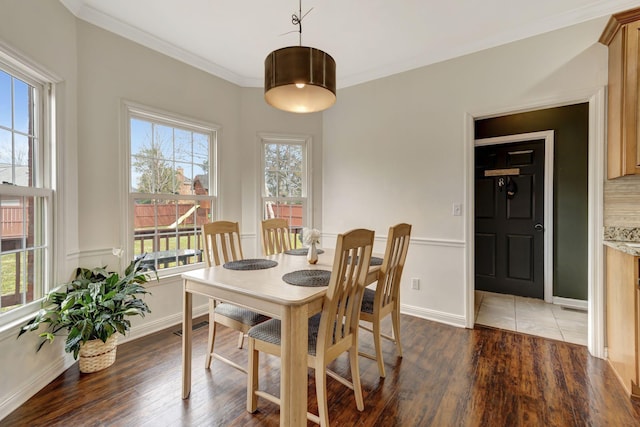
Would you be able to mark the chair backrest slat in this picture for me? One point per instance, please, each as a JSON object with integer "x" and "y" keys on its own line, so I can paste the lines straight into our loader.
{"x": 388, "y": 288}
{"x": 341, "y": 307}
{"x": 221, "y": 241}
{"x": 275, "y": 236}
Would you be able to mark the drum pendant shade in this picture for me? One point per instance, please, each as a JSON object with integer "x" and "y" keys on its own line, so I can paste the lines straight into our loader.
{"x": 300, "y": 79}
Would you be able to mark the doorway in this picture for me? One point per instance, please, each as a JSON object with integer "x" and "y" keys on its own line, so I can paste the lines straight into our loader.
{"x": 575, "y": 270}
{"x": 509, "y": 216}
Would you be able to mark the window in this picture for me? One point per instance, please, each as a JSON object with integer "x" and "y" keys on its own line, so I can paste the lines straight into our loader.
{"x": 172, "y": 189}
{"x": 26, "y": 187}
{"x": 285, "y": 183}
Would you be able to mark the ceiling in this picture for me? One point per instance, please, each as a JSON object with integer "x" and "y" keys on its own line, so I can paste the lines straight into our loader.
{"x": 368, "y": 39}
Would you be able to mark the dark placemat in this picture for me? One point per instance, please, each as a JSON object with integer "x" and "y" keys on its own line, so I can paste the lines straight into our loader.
{"x": 302, "y": 251}
{"x": 374, "y": 260}
{"x": 250, "y": 264}
{"x": 308, "y": 277}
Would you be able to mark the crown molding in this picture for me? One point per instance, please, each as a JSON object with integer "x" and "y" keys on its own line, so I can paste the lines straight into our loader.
{"x": 87, "y": 13}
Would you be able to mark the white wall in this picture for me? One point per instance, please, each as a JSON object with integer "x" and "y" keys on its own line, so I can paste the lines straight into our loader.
{"x": 389, "y": 151}
{"x": 99, "y": 71}
{"x": 45, "y": 33}
{"x": 394, "y": 149}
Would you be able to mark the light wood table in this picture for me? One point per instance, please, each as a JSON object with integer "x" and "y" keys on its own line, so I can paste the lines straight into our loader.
{"x": 265, "y": 291}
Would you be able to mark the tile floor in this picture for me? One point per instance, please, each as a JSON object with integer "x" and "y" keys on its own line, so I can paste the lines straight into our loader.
{"x": 531, "y": 316}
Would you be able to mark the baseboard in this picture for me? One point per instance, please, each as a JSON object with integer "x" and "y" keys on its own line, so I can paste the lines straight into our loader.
{"x": 160, "y": 324}
{"x": 55, "y": 368}
{"x": 436, "y": 316}
{"x": 575, "y": 304}
{"x": 37, "y": 383}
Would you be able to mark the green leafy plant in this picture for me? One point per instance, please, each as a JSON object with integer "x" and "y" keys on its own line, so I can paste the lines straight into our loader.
{"x": 94, "y": 305}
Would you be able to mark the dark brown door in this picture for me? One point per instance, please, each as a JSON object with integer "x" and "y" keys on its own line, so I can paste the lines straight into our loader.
{"x": 509, "y": 214}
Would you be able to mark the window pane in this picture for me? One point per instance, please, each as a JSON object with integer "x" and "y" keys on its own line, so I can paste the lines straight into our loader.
{"x": 292, "y": 211}
{"x": 201, "y": 146}
{"x": 21, "y": 263}
{"x": 169, "y": 163}
{"x": 5, "y": 100}
{"x": 183, "y": 145}
{"x": 163, "y": 141}
{"x": 140, "y": 136}
{"x": 270, "y": 157}
{"x": 22, "y": 107}
{"x": 167, "y": 234}
{"x": 201, "y": 180}
{"x": 6, "y": 156}
{"x": 152, "y": 175}
{"x": 184, "y": 178}
{"x": 271, "y": 184}
{"x": 21, "y": 160}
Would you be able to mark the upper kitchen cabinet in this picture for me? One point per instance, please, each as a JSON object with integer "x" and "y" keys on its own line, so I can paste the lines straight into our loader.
{"x": 622, "y": 35}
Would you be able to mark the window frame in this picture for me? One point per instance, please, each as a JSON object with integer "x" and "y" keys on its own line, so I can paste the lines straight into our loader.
{"x": 138, "y": 111}
{"x": 45, "y": 163}
{"x": 305, "y": 141}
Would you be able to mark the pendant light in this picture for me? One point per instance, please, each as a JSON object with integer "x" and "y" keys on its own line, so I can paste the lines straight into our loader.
{"x": 300, "y": 79}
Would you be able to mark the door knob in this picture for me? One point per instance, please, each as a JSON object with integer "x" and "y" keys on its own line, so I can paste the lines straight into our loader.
{"x": 538, "y": 227}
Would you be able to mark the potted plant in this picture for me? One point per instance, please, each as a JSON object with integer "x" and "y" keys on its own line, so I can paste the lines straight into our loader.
{"x": 90, "y": 310}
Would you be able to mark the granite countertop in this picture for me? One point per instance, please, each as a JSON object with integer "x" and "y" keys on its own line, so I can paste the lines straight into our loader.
{"x": 625, "y": 239}
{"x": 631, "y": 248}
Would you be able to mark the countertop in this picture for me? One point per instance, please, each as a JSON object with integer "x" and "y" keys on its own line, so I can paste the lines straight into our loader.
{"x": 631, "y": 248}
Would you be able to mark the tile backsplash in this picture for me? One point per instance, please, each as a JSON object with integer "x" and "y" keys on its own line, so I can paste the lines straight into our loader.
{"x": 622, "y": 202}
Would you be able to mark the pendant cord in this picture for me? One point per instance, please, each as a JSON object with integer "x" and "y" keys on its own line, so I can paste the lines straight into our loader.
{"x": 297, "y": 20}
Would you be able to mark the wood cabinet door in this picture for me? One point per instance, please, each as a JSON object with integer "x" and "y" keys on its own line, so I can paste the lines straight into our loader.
{"x": 631, "y": 123}
{"x": 622, "y": 317}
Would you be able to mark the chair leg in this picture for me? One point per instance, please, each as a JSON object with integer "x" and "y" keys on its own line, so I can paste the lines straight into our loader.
{"x": 241, "y": 340}
{"x": 395, "y": 318}
{"x": 321, "y": 392}
{"x": 252, "y": 377}
{"x": 355, "y": 378}
{"x": 212, "y": 334}
{"x": 377, "y": 340}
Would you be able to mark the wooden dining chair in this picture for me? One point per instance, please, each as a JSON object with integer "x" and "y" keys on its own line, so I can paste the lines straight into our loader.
{"x": 385, "y": 299}
{"x": 275, "y": 236}
{"x": 221, "y": 241}
{"x": 331, "y": 332}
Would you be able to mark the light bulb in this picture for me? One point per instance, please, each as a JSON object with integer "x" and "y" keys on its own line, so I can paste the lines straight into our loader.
{"x": 300, "y": 85}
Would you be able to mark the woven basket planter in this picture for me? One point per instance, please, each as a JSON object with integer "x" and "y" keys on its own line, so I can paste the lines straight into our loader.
{"x": 96, "y": 355}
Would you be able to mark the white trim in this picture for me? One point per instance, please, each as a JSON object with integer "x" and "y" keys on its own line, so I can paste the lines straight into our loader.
{"x": 34, "y": 384}
{"x": 45, "y": 167}
{"x": 84, "y": 11}
{"x": 577, "y": 304}
{"x": 56, "y": 367}
{"x": 160, "y": 324}
{"x": 548, "y": 195}
{"x": 26, "y": 65}
{"x": 102, "y": 20}
{"x": 129, "y": 109}
{"x": 434, "y": 315}
{"x": 417, "y": 241}
{"x": 597, "y": 162}
{"x": 597, "y": 115}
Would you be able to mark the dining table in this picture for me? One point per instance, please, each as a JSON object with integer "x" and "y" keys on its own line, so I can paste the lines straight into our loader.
{"x": 264, "y": 290}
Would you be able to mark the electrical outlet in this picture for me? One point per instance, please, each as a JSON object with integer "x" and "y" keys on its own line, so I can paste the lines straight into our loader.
{"x": 415, "y": 283}
{"x": 457, "y": 209}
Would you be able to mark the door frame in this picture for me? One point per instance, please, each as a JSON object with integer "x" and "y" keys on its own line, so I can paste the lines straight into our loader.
{"x": 548, "y": 137}
{"x": 596, "y": 98}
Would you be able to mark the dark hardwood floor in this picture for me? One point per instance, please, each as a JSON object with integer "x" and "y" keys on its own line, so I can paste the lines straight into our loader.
{"x": 448, "y": 377}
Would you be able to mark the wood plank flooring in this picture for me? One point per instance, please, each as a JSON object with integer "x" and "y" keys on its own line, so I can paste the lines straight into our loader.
{"x": 448, "y": 377}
